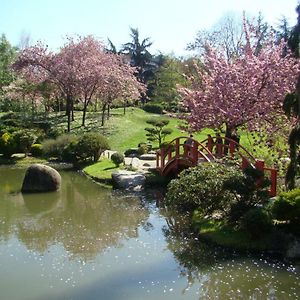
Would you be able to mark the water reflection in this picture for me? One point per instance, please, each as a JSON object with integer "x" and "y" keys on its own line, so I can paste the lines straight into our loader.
{"x": 221, "y": 273}
{"x": 83, "y": 217}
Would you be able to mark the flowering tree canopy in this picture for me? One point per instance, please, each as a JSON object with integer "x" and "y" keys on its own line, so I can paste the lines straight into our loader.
{"x": 248, "y": 89}
{"x": 80, "y": 70}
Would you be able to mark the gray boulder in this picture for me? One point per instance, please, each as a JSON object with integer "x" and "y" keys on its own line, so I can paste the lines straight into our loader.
{"x": 41, "y": 178}
{"x": 293, "y": 250}
{"x": 128, "y": 180}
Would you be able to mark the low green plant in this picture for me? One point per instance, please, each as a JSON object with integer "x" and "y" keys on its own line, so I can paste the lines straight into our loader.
{"x": 36, "y": 150}
{"x": 202, "y": 188}
{"x": 58, "y": 147}
{"x": 256, "y": 222}
{"x": 286, "y": 207}
{"x": 90, "y": 146}
{"x": 131, "y": 152}
{"x": 24, "y": 139}
{"x": 153, "y": 108}
{"x": 8, "y": 145}
{"x": 247, "y": 193}
{"x": 117, "y": 158}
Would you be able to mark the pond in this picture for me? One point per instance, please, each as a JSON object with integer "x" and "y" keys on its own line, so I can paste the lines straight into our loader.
{"x": 87, "y": 242}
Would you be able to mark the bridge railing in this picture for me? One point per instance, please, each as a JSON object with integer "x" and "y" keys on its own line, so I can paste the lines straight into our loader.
{"x": 180, "y": 149}
{"x": 223, "y": 146}
{"x": 208, "y": 150}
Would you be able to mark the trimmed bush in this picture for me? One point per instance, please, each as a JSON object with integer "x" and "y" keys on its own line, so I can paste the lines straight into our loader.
{"x": 90, "y": 146}
{"x": 143, "y": 148}
{"x": 286, "y": 207}
{"x": 202, "y": 188}
{"x": 24, "y": 138}
{"x": 7, "y": 145}
{"x": 132, "y": 152}
{"x": 153, "y": 108}
{"x": 256, "y": 222}
{"x": 36, "y": 150}
{"x": 60, "y": 147}
{"x": 117, "y": 158}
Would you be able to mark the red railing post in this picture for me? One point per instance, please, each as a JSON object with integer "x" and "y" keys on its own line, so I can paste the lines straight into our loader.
{"x": 177, "y": 145}
{"x": 273, "y": 189}
{"x": 245, "y": 163}
{"x": 231, "y": 148}
{"x": 260, "y": 165}
{"x": 169, "y": 154}
{"x": 210, "y": 143}
{"x": 162, "y": 158}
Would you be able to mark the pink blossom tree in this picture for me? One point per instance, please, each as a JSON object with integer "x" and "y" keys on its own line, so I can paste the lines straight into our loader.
{"x": 246, "y": 90}
{"x": 80, "y": 70}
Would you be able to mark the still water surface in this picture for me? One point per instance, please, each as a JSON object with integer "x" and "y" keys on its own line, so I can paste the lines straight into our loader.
{"x": 87, "y": 242}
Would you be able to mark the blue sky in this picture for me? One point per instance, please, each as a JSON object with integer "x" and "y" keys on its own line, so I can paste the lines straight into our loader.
{"x": 170, "y": 24}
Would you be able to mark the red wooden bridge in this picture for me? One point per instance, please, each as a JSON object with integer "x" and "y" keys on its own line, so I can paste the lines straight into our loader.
{"x": 184, "y": 152}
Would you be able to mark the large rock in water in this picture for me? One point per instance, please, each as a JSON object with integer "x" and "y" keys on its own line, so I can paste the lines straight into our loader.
{"x": 128, "y": 180}
{"x": 41, "y": 178}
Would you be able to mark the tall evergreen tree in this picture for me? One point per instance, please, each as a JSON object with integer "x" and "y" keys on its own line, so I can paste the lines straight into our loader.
{"x": 139, "y": 55}
{"x": 291, "y": 107}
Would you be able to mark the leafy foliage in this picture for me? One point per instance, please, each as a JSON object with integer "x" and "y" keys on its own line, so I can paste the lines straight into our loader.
{"x": 36, "y": 150}
{"x": 7, "y": 145}
{"x": 117, "y": 158}
{"x": 286, "y": 207}
{"x": 90, "y": 146}
{"x": 153, "y": 108}
{"x": 256, "y": 222}
{"x": 157, "y": 132}
{"x": 201, "y": 188}
{"x": 59, "y": 147}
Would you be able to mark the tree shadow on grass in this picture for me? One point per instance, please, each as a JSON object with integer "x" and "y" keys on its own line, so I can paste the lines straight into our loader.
{"x": 110, "y": 168}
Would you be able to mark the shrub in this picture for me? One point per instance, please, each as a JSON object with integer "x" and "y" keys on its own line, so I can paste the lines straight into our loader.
{"x": 91, "y": 145}
{"x": 117, "y": 158}
{"x": 59, "y": 147}
{"x": 202, "y": 188}
{"x": 7, "y": 145}
{"x": 143, "y": 148}
{"x": 24, "y": 138}
{"x": 256, "y": 222}
{"x": 132, "y": 152}
{"x": 153, "y": 108}
{"x": 286, "y": 207}
{"x": 167, "y": 146}
{"x": 36, "y": 150}
{"x": 247, "y": 194}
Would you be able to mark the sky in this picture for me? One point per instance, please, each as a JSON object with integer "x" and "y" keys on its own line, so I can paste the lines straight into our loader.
{"x": 170, "y": 24}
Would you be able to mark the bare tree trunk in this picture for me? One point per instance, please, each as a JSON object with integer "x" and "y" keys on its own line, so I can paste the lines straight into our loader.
{"x": 108, "y": 111}
{"x": 68, "y": 111}
{"x": 72, "y": 109}
{"x": 103, "y": 113}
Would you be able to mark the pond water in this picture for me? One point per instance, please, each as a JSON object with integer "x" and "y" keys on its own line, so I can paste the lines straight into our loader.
{"x": 87, "y": 242}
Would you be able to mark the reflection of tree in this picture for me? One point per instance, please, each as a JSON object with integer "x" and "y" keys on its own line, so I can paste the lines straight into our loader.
{"x": 221, "y": 273}
{"x": 83, "y": 217}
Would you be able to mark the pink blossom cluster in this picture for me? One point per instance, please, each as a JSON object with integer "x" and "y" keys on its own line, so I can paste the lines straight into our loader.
{"x": 81, "y": 70}
{"x": 247, "y": 90}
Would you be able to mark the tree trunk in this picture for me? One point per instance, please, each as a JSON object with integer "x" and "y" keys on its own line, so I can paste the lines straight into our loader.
{"x": 124, "y": 107}
{"x": 228, "y": 135}
{"x": 83, "y": 115}
{"x": 96, "y": 104}
{"x": 103, "y": 114}
{"x": 108, "y": 111}
{"x": 68, "y": 111}
{"x": 72, "y": 110}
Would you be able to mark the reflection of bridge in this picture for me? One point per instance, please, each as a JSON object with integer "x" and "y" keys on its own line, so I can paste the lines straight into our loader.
{"x": 184, "y": 152}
